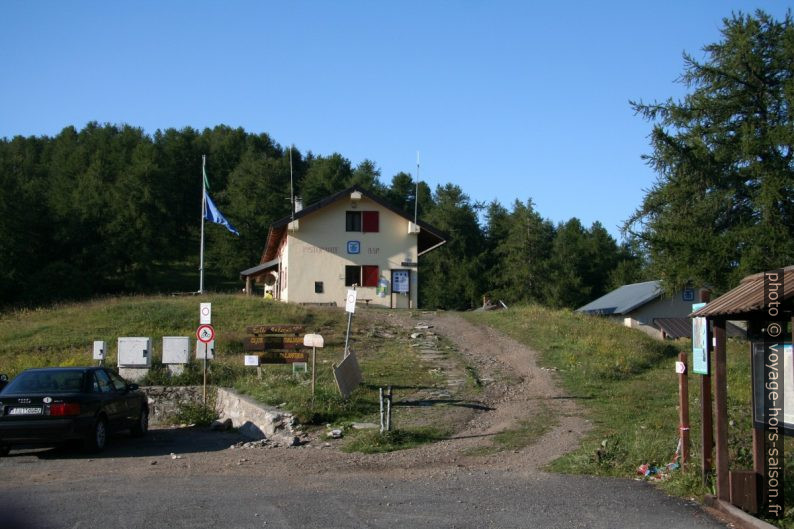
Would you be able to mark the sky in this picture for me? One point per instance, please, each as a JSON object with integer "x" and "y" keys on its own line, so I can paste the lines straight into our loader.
{"x": 510, "y": 100}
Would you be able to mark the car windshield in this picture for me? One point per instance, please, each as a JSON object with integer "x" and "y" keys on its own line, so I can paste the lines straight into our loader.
{"x": 46, "y": 382}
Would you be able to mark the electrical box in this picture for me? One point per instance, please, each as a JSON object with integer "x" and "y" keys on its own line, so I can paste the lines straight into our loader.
{"x": 203, "y": 349}
{"x": 135, "y": 352}
{"x": 176, "y": 349}
{"x": 100, "y": 350}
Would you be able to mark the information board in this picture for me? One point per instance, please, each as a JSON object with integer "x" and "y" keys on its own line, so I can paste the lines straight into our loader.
{"x": 700, "y": 342}
{"x": 401, "y": 281}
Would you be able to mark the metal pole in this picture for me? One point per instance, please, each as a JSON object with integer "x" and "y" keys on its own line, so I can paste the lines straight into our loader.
{"x": 206, "y": 347}
{"x": 291, "y": 189}
{"x": 388, "y": 410}
{"x": 416, "y": 193}
{"x": 314, "y": 369}
{"x": 380, "y": 399}
{"x": 706, "y": 415}
{"x": 347, "y": 336}
{"x": 203, "y": 210}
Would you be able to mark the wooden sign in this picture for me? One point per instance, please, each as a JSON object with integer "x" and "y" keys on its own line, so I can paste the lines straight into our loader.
{"x": 283, "y": 357}
{"x": 267, "y": 343}
{"x": 274, "y": 329}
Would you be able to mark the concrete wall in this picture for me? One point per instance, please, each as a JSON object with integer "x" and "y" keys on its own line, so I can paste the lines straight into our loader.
{"x": 318, "y": 251}
{"x": 253, "y": 419}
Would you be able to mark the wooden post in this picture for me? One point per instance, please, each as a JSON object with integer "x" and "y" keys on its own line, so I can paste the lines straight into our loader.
{"x": 706, "y": 414}
{"x": 721, "y": 397}
{"x": 382, "y": 422}
{"x": 248, "y": 285}
{"x": 683, "y": 409}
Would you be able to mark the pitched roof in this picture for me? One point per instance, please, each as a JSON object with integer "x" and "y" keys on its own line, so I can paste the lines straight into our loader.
{"x": 624, "y": 299}
{"x": 429, "y": 236}
{"x": 748, "y": 297}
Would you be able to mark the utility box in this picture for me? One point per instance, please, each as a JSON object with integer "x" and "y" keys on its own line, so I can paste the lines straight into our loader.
{"x": 100, "y": 349}
{"x": 135, "y": 352}
{"x": 176, "y": 349}
{"x": 205, "y": 350}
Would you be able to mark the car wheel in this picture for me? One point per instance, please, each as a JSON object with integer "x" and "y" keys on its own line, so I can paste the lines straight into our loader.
{"x": 96, "y": 441}
{"x": 4, "y": 450}
{"x": 140, "y": 428}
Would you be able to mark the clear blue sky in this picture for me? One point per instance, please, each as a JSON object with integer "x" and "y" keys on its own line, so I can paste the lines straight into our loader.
{"x": 509, "y": 100}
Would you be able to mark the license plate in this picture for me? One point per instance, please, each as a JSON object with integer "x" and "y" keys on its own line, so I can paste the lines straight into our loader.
{"x": 24, "y": 411}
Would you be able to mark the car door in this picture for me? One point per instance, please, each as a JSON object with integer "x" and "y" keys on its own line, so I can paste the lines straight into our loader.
{"x": 112, "y": 403}
{"x": 132, "y": 404}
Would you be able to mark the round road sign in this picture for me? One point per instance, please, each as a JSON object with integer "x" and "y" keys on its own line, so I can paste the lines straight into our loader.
{"x": 205, "y": 333}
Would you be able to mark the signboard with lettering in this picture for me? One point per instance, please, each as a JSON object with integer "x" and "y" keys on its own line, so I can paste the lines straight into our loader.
{"x": 401, "y": 281}
{"x": 274, "y": 329}
{"x": 276, "y": 344}
{"x": 266, "y": 342}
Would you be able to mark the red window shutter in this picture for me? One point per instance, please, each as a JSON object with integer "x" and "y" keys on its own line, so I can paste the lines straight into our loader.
{"x": 369, "y": 276}
{"x": 371, "y": 221}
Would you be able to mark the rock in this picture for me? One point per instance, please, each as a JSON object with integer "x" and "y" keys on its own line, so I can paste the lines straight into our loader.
{"x": 296, "y": 441}
{"x": 335, "y": 434}
{"x": 220, "y": 426}
{"x": 152, "y": 462}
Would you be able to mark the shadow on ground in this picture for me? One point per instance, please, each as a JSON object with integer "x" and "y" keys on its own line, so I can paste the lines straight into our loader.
{"x": 158, "y": 442}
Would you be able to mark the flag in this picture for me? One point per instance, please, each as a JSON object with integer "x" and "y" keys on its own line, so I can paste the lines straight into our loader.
{"x": 213, "y": 214}
{"x": 206, "y": 180}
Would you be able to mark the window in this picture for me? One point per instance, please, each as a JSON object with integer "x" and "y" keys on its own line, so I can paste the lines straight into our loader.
{"x": 102, "y": 382}
{"x": 353, "y": 221}
{"x": 117, "y": 381}
{"x": 364, "y": 221}
{"x": 318, "y": 287}
{"x": 363, "y": 276}
{"x": 352, "y": 275}
{"x": 369, "y": 276}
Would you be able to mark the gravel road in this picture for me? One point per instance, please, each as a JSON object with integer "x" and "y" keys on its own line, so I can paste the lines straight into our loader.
{"x": 189, "y": 477}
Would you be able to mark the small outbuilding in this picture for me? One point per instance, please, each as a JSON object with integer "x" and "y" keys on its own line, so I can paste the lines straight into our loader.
{"x": 644, "y": 306}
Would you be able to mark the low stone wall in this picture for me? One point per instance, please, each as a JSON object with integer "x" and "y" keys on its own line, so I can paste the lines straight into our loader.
{"x": 253, "y": 419}
{"x": 165, "y": 401}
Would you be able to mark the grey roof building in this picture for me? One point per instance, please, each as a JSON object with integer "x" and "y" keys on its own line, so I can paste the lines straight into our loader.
{"x": 644, "y": 306}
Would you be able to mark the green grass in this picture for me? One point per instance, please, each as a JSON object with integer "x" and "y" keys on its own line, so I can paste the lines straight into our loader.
{"x": 64, "y": 335}
{"x": 372, "y": 441}
{"x": 626, "y": 383}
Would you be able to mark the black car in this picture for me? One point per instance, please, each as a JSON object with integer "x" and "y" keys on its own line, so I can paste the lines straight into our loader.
{"x": 53, "y": 405}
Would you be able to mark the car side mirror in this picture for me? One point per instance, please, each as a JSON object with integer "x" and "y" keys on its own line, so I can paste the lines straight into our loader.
{"x": 132, "y": 387}
{"x": 3, "y": 377}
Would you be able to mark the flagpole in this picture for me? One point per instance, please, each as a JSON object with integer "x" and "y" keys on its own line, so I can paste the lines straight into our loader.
{"x": 203, "y": 209}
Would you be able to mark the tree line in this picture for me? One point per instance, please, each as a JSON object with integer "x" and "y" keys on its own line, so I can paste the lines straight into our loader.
{"x": 109, "y": 209}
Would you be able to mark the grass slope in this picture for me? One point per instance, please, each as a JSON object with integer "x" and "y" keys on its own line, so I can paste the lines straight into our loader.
{"x": 627, "y": 384}
{"x": 63, "y": 335}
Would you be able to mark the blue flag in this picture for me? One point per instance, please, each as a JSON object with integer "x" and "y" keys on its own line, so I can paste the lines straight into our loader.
{"x": 213, "y": 214}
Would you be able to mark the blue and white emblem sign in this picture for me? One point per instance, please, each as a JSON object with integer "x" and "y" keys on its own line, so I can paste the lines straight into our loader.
{"x": 353, "y": 247}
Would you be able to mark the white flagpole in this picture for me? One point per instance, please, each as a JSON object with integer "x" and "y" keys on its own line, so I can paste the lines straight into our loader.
{"x": 203, "y": 209}
{"x": 416, "y": 194}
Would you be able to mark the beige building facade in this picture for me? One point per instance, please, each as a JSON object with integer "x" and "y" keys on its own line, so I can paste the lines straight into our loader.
{"x": 350, "y": 238}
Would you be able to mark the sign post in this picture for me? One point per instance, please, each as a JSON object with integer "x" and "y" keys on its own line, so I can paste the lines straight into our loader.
{"x": 205, "y": 334}
{"x": 350, "y": 308}
{"x": 701, "y": 352}
{"x": 314, "y": 341}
